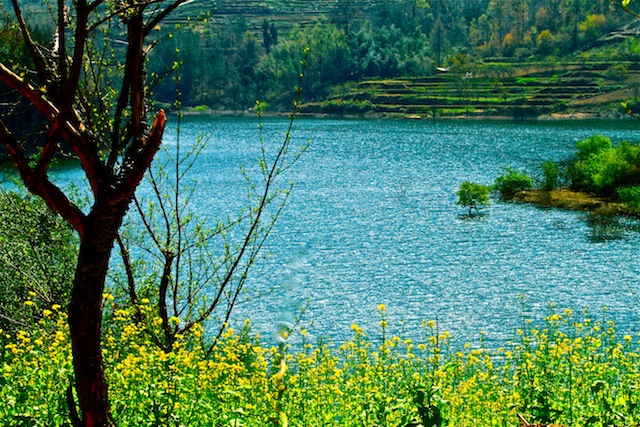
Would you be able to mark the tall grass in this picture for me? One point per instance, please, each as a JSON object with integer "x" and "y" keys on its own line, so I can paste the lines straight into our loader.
{"x": 573, "y": 370}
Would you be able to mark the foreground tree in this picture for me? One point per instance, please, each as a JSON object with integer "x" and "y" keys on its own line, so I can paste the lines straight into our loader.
{"x": 72, "y": 88}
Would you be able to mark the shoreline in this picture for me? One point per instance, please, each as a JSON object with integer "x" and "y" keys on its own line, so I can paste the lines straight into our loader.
{"x": 574, "y": 201}
{"x": 577, "y": 116}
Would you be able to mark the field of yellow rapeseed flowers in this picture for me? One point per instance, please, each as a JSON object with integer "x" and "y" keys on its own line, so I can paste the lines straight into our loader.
{"x": 569, "y": 370}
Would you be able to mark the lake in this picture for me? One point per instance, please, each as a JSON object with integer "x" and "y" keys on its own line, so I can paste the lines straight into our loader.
{"x": 372, "y": 220}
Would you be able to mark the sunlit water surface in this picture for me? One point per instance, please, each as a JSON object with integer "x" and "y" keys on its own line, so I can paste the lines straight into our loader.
{"x": 372, "y": 220}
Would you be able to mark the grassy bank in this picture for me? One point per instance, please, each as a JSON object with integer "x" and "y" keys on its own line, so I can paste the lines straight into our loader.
{"x": 574, "y": 200}
{"x": 572, "y": 370}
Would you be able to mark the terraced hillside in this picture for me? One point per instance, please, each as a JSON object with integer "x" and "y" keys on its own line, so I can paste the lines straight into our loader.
{"x": 284, "y": 13}
{"x": 529, "y": 90}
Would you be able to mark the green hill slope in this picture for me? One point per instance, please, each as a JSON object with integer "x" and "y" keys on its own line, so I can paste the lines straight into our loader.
{"x": 518, "y": 90}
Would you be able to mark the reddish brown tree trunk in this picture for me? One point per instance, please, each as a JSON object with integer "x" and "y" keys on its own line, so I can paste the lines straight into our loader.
{"x": 85, "y": 315}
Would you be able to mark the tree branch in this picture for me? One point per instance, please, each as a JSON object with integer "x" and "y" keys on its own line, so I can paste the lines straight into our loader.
{"x": 38, "y": 59}
{"x": 160, "y": 16}
{"x": 40, "y": 185}
{"x": 131, "y": 281}
{"x": 48, "y": 110}
{"x": 81, "y": 37}
{"x": 138, "y": 158}
{"x": 62, "y": 45}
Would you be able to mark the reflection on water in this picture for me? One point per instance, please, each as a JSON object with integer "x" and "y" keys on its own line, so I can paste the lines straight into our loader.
{"x": 604, "y": 227}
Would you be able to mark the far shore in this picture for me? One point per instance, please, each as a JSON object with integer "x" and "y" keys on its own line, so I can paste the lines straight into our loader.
{"x": 399, "y": 115}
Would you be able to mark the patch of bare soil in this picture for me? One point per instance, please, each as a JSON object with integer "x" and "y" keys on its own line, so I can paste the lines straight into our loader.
{"x": 573, "y": 200}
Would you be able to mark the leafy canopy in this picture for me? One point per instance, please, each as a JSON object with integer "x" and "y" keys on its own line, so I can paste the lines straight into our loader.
{"x": 473, "y": 196}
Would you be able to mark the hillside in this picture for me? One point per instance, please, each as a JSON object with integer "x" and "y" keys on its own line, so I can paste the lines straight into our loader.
{"x": 503, "y": 57}
{"x": 284, "y": 13}
{"x": 518, "y": 90}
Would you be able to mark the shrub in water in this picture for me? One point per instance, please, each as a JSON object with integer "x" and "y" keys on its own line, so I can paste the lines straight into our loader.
{"x": 473, "y": 196}
{"x": 511, "y": 181}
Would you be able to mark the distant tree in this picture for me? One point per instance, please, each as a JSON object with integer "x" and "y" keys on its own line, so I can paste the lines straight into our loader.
{"x": 267, "y": 39}
{"x": 593, "y": 26}
{"x": 274, "y": 33}
{"x": 545, "y": 42}
{"x": 577, "y": 9}
{"x": 473, "y": 196}
{"x": 343, "y": 15}
{"x": 438, "y": 39}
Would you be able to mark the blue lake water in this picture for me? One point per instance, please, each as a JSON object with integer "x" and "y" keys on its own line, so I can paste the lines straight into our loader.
{"x": 372, "y": 219}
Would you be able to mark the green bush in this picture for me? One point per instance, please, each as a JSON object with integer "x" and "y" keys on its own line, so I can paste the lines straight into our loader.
{"x": 616, "y": 72}
{"x": 37, "y": 258}
{"x": 473, "y": 196}
{"x": 511, "y": 181}
{"x": 630, "y": 196}
{"x": 550, "y": 173}
{"x": 601, "y": 168}
{"x": 592, "y": 145}
{"x": 608, "y": 170}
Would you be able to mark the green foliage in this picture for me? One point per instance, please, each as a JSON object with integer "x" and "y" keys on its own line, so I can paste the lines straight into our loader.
{"x": 473, "y": 196}
{"x": 527, "y": 80}
{"x": 512, "y": 181}
{"x": 607, "y": 169}
{"x": 592, "y": 145}
{"x": 630, "y": 196}
{"x": 232, "y": 64}
{"x": 340, "y": 106}
{"x": 616, "y": 72}
{"x": 550, "y": 173}
{"x": 201, "y": 108}
{"x": 601, "y": 168}
{"x": 593, "y": 26}
{"x": 545, "y": 42}
{"x": 37, "y": 258}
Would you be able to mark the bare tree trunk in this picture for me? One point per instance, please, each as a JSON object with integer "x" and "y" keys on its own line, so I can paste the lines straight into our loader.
{"x": 85, "y": 318}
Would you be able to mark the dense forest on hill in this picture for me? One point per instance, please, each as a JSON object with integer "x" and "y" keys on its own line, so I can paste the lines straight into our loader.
{"x": 230, "y": 53}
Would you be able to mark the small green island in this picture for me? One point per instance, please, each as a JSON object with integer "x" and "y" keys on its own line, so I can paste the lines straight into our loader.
{"x": 598, "y": 178}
